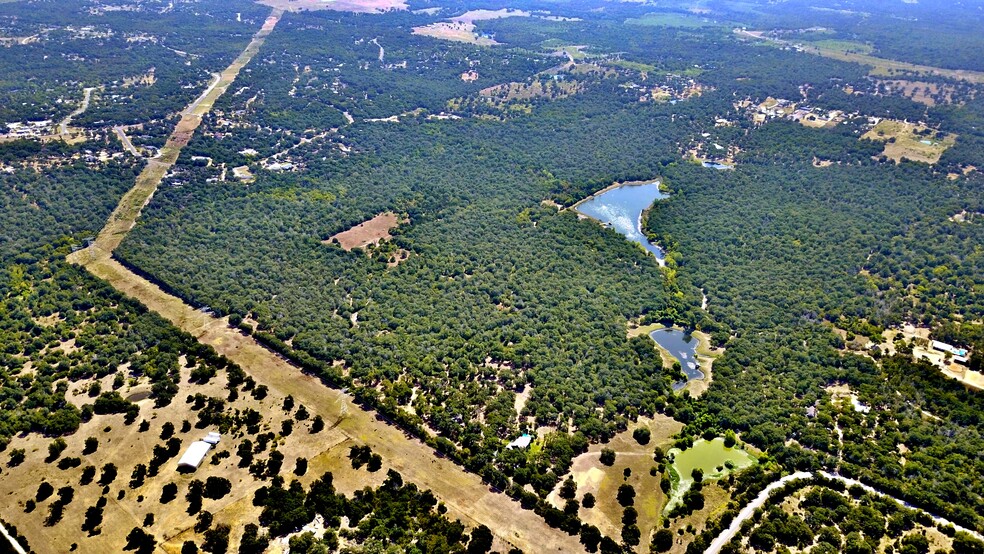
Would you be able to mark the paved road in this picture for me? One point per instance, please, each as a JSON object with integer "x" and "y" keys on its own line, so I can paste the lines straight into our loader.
{"x": 13, "y": 544}
{"x": 126, "y": 141}
{"x": 748, "y": 510}
{"x": 63, "y": 126}
{"x": 763, "y": 496}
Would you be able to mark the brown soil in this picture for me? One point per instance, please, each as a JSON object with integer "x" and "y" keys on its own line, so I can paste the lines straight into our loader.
{"x": 603, "y": 481}
{"x": 357, "y": 6}
{"x": 368, "y": 232}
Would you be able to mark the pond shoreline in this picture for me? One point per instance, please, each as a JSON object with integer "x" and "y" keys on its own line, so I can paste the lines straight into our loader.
{"x": 705, "y": 354}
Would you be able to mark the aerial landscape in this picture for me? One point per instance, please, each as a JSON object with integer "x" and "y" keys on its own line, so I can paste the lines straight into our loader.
{"x": 471, "y": 276}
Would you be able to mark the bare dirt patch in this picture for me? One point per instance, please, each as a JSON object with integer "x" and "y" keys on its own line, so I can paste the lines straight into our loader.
{"x": 462, "y": 27}
{"x": 923, "y": 92}
{"x": 591, "y": 476}
{"x": 454, "y": 31}
{"x": 910, "y": 141}
{"x": 357, "y": 6}
{"x": 368, "y": 232}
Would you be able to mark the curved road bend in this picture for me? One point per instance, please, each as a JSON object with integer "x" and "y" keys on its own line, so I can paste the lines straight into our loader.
{"x": 760, "y": 500}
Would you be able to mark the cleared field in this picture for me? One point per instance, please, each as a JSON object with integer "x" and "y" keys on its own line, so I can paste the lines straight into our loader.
{"x": 844, "y": 46}
{"x": 591, "y": 476}
{"x": 454, "y": 31}
{"x": 368, "y": 232}
{"x": 880, "y": 66}
{"x": 125, "y": 446}
{"x": 904, "y": 140}
{"x": 357, "y": 6}
{"x": 673, "y": 20}
{"x": 462, "y": 27}
{"x": 919, "y": 91}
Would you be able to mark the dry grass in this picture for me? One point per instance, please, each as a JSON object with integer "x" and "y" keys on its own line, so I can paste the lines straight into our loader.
{"x": 603, "y": 481}
{"x": 368, "y": 232}
{"x": 454, "y": 31}
{"x": 357, "y": 6}
{"x": 920, "y": 91}
{"x": 902, "y": 141}
{"x": 124, "y": 446}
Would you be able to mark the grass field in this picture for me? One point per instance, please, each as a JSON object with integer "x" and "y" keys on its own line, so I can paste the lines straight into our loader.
{"x": 909, "y": 141}
{"x": 844, "y": 46}
{"x": 879, "y": 66}
{"x": 673, "y": 20}
{"x": 603, "y": 481}
{"x": 711, "y": 457}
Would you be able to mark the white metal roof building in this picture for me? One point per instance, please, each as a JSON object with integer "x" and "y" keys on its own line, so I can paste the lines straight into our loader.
{"x": 193, "y": 457}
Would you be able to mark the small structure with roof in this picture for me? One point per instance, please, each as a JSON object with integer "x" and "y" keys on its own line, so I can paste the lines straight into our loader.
{"x": 521, "y": 442}
{"x": 195, "y": 454}
{"x": 959, "y": 354}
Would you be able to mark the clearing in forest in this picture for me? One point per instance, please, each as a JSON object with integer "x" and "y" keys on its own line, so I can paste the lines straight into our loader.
{"x": 920, "y": 91}
{"x": 910, "y": 141}
{"x": 602, "y": 481}
{"x": 462, "y": 27}
{"x": 368, "y": 232}
{"x": 712, "y": 457}
{"x": 357, "y": 6}
{"x": 706, "y": 354}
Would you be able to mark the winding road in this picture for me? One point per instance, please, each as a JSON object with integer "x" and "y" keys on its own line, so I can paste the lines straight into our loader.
{"x": 747, "y": 512}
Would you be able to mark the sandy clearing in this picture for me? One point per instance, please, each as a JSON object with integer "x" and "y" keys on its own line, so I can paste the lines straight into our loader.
{"x": 357, "y": 6}
{"x": 368, "y": 232}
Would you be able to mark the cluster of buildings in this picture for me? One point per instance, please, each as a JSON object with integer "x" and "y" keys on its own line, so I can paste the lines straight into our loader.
{"x": 30, "y": 129}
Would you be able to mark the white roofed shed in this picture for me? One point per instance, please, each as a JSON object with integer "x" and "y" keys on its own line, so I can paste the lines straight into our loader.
{"x": 193, "y": 457}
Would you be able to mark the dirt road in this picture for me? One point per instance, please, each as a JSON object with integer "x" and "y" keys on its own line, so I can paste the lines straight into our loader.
{"x": 466, "y": 497}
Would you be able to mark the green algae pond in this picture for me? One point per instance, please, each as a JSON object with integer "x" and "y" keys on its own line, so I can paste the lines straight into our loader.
{"x": 711, "y": 457}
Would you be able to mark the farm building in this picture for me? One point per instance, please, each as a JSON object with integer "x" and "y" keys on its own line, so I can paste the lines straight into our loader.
{"x": 193, "y": 457}
{"x": 959, "y": 354}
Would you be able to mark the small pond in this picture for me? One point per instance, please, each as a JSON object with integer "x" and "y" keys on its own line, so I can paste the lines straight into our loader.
{"x": 621, "y": 209}
{"x": 716, "y": 165}
{"x": 675, "y": 342}
{"x": 713, "y": 458}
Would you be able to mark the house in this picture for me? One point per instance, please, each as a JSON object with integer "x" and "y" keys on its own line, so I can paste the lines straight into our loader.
{"x": 521, "y": 442}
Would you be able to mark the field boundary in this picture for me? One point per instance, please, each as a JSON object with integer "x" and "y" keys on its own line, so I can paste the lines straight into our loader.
{"x": 465, "y": 495}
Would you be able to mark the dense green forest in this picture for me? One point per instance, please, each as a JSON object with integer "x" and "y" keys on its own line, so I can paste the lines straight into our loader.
{"x": 494, "y": 310}
{"x": 500, "y": 293}
{"x": 77, "y": 44}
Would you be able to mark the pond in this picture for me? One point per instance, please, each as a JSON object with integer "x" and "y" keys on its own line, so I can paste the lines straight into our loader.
{"x": 621, "y": 209}
{"x": 675, "y": 342}
{"x": 711, "y": 457}
{"x": 716, "y": 165}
